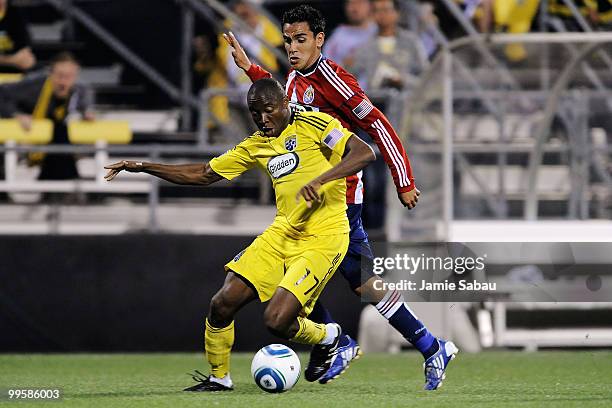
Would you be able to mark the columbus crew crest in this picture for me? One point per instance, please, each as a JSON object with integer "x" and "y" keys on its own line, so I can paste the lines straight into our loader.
{"x": 309, "y": 95}
{"x": 291, "y": 143}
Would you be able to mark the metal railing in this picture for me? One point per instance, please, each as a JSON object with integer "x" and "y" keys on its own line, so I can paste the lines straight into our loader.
{"x": 450, "y": 87}
{"x": 101, "y": 152}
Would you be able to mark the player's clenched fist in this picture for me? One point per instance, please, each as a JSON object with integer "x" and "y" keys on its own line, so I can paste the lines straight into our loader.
{"x": 114, "y": 169}
{"x": 410, "y": 198}
{"x": 310, "y": 193}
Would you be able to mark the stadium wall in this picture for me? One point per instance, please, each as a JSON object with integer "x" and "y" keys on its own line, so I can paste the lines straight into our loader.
{"x": 126, "y": 293}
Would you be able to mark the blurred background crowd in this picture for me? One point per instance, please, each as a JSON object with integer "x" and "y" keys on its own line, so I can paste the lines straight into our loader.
{"x": 162, "y": 67}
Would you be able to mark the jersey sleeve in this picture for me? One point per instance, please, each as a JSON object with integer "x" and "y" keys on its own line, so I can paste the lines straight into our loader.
{"x": 335, "y": 136}
{"x": 234, "y": 162}
{"x": 255, "y": 73}
{"x": 343, "y": 90}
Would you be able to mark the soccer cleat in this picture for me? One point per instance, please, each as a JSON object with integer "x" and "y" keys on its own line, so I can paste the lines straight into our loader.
{"x": 204, "y": 384}
{"x": 321, "y": 358}
{"x": 342, "y": 359}
{"x": 436, "y": 365}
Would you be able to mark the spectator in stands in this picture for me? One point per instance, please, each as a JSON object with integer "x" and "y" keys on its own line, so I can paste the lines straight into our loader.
{"x": 394, "y": 57}
{"x": 203, "y": 62}
{"x": 514, "y": 17}
{"x": 346, "y": 39}
{"x": 562, "y": 17}
{"x": 597, "y": 12}
{"x": 427, "y": 24}
{"x": 600, "y": 14}
{"x": 15, "y": 52}
{"x": 56, "y": 96}
{"x": 225, "y": 73}
{"x": 510, "y": 16}
{"x": 258, "y": 26}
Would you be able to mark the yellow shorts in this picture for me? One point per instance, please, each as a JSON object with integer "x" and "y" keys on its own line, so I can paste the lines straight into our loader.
{"x": 302, "y": 266}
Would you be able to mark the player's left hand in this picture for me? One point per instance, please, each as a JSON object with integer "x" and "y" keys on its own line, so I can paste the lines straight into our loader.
{"x": 114, "y": 169}
{"x": 310, "y": 193}
{"x": 410, "y": 198}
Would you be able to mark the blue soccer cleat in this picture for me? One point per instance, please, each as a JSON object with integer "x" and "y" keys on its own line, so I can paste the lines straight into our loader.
{"x": 346, "y": 353}
{"x": 436, "y": 365}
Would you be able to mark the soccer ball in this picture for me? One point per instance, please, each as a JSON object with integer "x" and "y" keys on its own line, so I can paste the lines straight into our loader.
{"x": 276, "y": 368}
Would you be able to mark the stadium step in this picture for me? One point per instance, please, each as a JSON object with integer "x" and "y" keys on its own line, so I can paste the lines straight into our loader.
{"x": 119, "y": 97}
{"x": 552, "y": 181}
{"x": 120, "y": 216}
{"x": 102, "y": 76}
{"x": 146, "y": 121}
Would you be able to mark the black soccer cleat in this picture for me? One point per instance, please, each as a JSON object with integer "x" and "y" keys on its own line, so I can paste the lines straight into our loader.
{"x": 204, "y": 384}
{"x": 321, "y": 357}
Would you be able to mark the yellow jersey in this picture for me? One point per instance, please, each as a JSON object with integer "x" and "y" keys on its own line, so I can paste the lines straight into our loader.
{"x": 311, "y": 144}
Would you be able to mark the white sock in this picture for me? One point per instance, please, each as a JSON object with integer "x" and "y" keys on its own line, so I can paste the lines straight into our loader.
{"x": 389, "y": 304}
{"x": 331, "y": 332}
{"x": 227, "y": 380}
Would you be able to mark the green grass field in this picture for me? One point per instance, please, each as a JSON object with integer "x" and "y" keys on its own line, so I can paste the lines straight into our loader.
{"x": 491, "y": 379}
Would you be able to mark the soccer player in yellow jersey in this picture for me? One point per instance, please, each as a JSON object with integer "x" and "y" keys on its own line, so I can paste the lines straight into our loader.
{"x": 307, "y": 156}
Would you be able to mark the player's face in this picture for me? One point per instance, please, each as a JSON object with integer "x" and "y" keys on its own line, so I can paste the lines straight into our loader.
{"x": 269, "y": 114}
{"x": 63, "y": 77}
{"x": 302, "y": 46}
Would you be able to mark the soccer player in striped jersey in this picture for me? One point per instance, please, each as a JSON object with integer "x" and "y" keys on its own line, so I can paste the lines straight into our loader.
{"x": 316, "y": 83}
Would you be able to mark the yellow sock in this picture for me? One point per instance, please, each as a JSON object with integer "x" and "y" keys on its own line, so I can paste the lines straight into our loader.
{"x": 309, "y": 332}
{"x": 218, "y": 343}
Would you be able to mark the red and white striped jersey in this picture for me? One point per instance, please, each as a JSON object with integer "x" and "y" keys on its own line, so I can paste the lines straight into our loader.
{"x": 327, "y": 87}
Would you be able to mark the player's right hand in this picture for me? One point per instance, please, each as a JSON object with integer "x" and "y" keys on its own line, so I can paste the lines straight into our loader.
{"x": 240, "y": 57}
{"x": 114, "y": 169}
{"x": 310, "y": 193}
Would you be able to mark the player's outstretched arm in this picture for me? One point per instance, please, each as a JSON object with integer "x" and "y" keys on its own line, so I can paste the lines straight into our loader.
{"x": 199, "y": 174}
{"x": 357, "y": 155}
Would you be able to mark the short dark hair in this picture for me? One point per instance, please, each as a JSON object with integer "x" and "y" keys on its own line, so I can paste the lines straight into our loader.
{"x": 64, "y": 56}
{"x": 268, "y": 86}
{"x": 308, "y": 14}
